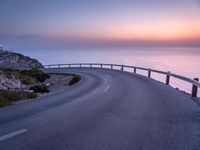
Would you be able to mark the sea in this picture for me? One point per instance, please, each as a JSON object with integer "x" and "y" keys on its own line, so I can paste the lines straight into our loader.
{"x": 184, "y": 61}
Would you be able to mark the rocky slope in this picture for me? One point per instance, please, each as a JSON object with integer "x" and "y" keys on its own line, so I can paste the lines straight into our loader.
{"x": 13, "y": 60}
{"x": 19, "y": 80}
{"x": 11, "y": 83}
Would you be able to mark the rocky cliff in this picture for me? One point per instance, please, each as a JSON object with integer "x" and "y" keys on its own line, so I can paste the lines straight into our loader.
{"x": 11, "y": 83}
{"x": 13, "y": 60}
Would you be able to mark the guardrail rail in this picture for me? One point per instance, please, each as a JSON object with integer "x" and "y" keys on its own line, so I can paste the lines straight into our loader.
{"x": 194, "y": 82}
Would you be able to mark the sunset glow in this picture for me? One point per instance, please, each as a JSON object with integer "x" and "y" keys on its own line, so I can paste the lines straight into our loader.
{"x": 158, "y": 31}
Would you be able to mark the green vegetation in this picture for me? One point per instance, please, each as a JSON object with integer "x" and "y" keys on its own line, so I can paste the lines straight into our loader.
{"x": 34, "y": 78}
{"x": 75, "y": 79}
{"x": 7, "y": 97}
{"x": 40, "y": 88}
{"x": 27, "y": 77}
{"x": 39, "y": 75}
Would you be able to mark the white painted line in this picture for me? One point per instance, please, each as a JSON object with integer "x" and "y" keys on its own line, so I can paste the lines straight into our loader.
{"x": 107, "y": 88}
{"x": 14, "y": 133}
{"x": 108, "y": 76}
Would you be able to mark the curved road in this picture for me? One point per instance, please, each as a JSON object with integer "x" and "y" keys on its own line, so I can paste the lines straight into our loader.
{"x": 107, "y": 110}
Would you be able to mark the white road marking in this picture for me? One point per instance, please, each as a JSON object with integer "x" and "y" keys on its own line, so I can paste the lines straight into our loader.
{"x": 14, "y": 133}
{"x": 107, "y": 88}
{"x": 108, "y": 76}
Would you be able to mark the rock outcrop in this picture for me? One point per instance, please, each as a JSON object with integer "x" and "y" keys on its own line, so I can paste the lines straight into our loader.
{"x": 11, "y": 60}
{"x": 11, "y": 83}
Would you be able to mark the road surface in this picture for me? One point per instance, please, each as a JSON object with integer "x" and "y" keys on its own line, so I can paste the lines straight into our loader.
{"x": 107, "y": 110}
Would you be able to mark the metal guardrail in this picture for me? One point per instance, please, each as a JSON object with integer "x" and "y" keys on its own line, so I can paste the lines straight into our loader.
{"x": 195, "y": 82}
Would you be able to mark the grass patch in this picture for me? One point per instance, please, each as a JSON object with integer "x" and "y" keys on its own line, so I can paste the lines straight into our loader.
{"x": 27, "y": 77}
{"x": 75, "y": 79}
{"x": 39, "y": 75}
{"x": 7, "y": 97}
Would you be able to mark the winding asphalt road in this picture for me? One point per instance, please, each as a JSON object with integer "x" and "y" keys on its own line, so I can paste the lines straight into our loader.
{"x": 107, "y": 110}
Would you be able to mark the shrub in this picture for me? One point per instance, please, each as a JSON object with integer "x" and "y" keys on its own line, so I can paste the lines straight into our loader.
{"x": 40, "y": 88}
{"x": 75, "y": 79}
{"x": 7, "y": 97}
{"x": 23, "y": 76}
{"x": 32, "y": 95}
{"x": 4, "y": 102}
{"x": 27, "y": 77}
{"x": 37, "y": 74}
{"x": 27, "y": 81}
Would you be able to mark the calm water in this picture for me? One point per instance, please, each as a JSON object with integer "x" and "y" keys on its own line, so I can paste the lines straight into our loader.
{"x": 183, "y": 61}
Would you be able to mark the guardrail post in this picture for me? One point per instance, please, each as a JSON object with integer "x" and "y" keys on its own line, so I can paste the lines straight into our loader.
{"x": 90, "y": 65}
{"x": 168, "y": 78}
{"x": 194, "y": 88}
{"x": 135, "y": 70}
{"x": 49, "y": 66}
{"x": 122, "y": 68}
{"x": 149, "y": 73}
{"x": 111, "y": 66}
{"x": 69, "y": 65}
{"x": 58, "y": 66}
{"x": 80, "y": 65}
{"x": 101, "y": 66}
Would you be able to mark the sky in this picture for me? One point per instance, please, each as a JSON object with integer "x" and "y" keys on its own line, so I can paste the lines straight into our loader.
{"x": 80, "y": 23}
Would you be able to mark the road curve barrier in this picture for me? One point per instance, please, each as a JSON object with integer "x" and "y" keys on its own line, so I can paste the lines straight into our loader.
{"x": 194, "y": 82}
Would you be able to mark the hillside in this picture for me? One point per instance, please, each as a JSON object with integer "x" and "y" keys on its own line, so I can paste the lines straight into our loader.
{"x": 21, "y": 78}
{"x": 14, "y": 60}
{"x": 16, "y": 85}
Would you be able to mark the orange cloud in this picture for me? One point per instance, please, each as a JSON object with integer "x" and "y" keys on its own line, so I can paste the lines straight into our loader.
{"x": 156, "y": 31}
{"x": 152, "y": 30}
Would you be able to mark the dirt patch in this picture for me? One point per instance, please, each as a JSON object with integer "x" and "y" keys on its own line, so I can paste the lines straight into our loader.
{"x": 57, "y": 81}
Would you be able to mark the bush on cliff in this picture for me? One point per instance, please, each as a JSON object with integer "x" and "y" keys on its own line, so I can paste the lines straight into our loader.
{"x": 7, "y": 97}
{"x": 75, "y": 79}
{"x": 27, "y": 77}
{"x": 40, "y": 89}
{"x": 37, "y": 74}
{"x": 24, "y": 78}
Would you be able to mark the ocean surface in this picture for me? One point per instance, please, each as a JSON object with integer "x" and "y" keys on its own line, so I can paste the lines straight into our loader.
{"x": 180, "y": 60}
